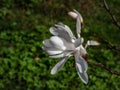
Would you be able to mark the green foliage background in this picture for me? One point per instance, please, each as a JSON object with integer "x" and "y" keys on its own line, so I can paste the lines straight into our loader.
{"x": 25, "y": 24}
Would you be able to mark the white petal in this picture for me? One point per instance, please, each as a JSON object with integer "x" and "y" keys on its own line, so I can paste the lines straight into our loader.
{"x": 52, "y": 50}
{"x": 78, "y": 26}
{"x": 75, "y": 14}
{"x": 84, "y": 77}
{"x": 68, "y": 45}
{"x": 59, "y": 65}
{"x": 79, "y": 23}
{"x": 47, "y": 43}
{"x": 69, "y": 32}
{"x": 91, "y": 42}
{"x": 65, "y": 32}
{"x": 72, "y": 14}
{"x": 80, "y": 61}
{"x": 78, "y": 42}
{"x": 81, "y": 66}
{"x": 82, "y": 40}
{"x": 58, "y": 55}
{"x": 57, "y": 42}
{"x": 53, "y": 31}
{"x": 60, "y": 28}
{"x": 79, "y": 15}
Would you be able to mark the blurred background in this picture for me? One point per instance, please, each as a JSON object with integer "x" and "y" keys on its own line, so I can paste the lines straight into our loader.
{"x": 24, "y": 24}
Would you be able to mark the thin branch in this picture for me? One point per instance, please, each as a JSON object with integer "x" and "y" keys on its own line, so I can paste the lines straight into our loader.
{"x": 110, "y": 13}
{"x": 104, "y": 67}
{"x": 109, "y": 45}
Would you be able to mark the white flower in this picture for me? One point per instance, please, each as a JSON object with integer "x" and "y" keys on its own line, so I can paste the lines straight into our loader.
{"x": 64, "y": 44}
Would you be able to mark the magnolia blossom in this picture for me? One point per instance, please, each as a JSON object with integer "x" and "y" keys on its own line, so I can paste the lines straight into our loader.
{"x": 63, "y": 44}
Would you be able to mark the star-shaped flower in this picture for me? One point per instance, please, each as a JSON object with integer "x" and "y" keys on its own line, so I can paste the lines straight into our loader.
{"x": 63, "y": 44}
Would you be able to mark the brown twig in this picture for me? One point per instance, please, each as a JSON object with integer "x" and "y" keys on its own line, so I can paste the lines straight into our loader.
{"x": 110, "y": 13}
{"x": 104, "y": 67}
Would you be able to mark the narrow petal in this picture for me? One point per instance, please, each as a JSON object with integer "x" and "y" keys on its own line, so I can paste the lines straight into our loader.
{"x": 84, "y": 77}
{"x": 80, "y": 62}
{"x": 52, "y": 50}
{"x": 79, "y": 23}
{"x": 59, "y": 65}
{"x": 65, "y": 32}
{"x": 81, "y": 66}
{"x": 79, "y": 15}
{"x": 78, "y": 27}
{"x": 69, "y": 32}
{"x": 91, "y": 42}
{"x": 53, "y": 31}
{"x": 58, "y": 55}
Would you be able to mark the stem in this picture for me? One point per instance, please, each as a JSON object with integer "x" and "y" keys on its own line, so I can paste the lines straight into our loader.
{"x": 110, "y": 13}
{"x": 104, "y": 67}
